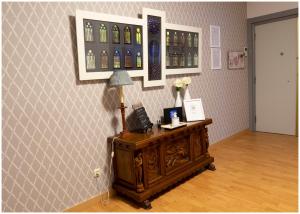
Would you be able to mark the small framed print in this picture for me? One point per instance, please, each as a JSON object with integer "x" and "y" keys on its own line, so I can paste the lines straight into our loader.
{"x": 236, "y": 60}
{"x": 193, "y": 110}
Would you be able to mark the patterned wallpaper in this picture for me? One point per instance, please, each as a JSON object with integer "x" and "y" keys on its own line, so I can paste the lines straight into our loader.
{"x": 55, "y": 127}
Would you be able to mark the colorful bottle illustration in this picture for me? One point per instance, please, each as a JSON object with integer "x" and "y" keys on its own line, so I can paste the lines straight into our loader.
{"x": 103, "y": 60}
{"x": 138, "y": 60}
{"x": 195, "y": 59}
{"x": 128, "y": 59}
{"x": 189, "y": 40}
{"x": 90, "y": 60}
{"x": 175, "y": 39}
{"x": 116, "y": 34}
{"x": 88, "y": 32}
{"x": 182, "y": 39}
{"x": 117, "y": 59}
{"x": 127, "y": 35}
{"x": 195, "y": 40}
{"x": 168, "y": 38}
{"x": 103, "y": 33}
{"x": 138, "y": 36}
{"x": 189, "y": 60}
{"x": 175, "y": 60}
{"x": 167, "y": 60}
{"x": 182, "y": 60}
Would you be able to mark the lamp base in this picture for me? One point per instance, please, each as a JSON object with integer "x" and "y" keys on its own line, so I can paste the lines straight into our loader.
{"x": 122, "y": 108}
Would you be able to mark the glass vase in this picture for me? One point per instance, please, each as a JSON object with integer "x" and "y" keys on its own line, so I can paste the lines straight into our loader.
{"x": 187, "y": 95}
{"x": 178, "y": 101}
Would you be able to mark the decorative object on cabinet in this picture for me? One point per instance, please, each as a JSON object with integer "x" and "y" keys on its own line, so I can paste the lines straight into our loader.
{"x": 169, "y": 112}
{"x": 178, "y": 85}
{"x": 236, "y": 60}
{"x": 154, "y": 40}
{"x": 193, "y": 110}
{"x": 143, "y": 122}
{"x": 145, "y": 164}
{"x": 186, "y": 81}
{"x": 118, "y": 79}
{"x": 98, "y": 32}
{"x": 183, "y": 49}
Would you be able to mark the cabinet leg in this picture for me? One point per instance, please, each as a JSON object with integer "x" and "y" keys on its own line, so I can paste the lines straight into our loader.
{"x": 211, "y": 167}
{"x": 147, "y": 204}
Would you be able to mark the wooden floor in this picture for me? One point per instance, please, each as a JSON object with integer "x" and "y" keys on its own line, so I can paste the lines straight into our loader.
{"x": 255, "y": 172}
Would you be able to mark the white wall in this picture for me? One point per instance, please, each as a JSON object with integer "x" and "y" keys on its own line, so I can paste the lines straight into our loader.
{"x": 255, "y": 9}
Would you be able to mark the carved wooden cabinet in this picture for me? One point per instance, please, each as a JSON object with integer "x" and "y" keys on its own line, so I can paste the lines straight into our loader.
{"x": 147, "y": 163}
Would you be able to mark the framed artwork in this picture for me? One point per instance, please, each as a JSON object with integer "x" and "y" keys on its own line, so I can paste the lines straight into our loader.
{"x": 236, "y": 60}
{"x": 183, "y": 49}
{"x": 147, "y": 47}
{"x": 193, "y": 110}
{"x": 215, "y": 59}
{"x": 155, "y": 51}
{"x": 215, "y": 36}
{"x": 108, "y": 42}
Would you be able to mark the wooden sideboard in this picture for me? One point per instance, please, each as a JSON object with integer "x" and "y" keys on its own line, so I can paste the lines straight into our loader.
{"x": 147, "y": 163}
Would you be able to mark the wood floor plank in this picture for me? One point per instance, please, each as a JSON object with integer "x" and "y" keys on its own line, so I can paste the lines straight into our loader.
{"x": 256, "y": 172}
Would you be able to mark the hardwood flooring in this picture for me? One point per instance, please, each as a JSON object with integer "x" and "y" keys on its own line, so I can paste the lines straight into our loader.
{"x": 256, "y": 172}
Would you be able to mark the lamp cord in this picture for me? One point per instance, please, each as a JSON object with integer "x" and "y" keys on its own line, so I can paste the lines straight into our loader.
{"x": 103, "y": 200}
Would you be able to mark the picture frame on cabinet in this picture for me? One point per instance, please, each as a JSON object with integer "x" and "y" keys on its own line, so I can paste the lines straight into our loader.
{"x": 193, "y": 110}
{"x": 103, "y": 41}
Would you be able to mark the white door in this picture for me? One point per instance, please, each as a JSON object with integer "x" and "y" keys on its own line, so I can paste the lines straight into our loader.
{"x": 276, "y": 50}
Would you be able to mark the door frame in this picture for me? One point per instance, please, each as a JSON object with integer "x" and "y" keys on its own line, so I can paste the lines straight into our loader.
{"x": 251, "y": 23}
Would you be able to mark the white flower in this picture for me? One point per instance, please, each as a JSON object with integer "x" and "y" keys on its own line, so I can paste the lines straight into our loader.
{"x": 186, "y": 80}
{"x": 178, "y": 83}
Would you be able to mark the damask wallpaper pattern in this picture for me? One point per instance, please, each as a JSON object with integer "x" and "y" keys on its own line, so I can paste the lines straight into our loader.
{"x": 55, "y": 127}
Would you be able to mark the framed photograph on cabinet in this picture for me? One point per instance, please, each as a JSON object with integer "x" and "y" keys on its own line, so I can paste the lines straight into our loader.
{"x": 183, "y": 49}
{"x": 193, "y": 110}
{"x": 107, "y": 42}
{"x": 236, "y": 60}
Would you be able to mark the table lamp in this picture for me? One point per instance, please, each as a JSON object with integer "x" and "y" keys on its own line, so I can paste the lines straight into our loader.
{"x": 118, "y": 79}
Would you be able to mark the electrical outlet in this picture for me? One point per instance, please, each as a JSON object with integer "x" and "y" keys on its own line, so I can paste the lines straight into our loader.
{"x": 97, "y": 173}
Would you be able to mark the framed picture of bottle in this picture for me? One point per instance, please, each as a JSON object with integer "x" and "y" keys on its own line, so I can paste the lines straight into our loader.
{"x": 108, "y": 42}
{"x": 183, "y": 49}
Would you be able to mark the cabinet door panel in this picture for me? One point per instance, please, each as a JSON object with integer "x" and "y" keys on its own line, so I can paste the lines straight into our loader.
{"x": 177, "y": 153}
{"x": 153, "y": 166}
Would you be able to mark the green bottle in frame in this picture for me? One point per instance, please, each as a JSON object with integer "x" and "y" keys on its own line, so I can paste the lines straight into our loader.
{"x": 127, "y": 35}
{"x": 138, "y": 36}
{"x": 115, "y": 34}
{"x": 138, "y": 60}
{"x": 103, "y": 33}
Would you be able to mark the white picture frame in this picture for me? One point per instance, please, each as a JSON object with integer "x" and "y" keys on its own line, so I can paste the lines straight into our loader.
{"x": 80, "y": 16}
{"x": 188, "y": 29}
{"x": 215, "y": 36}
{"x": 215, "y": 58}
{"x": 162, "y": 15}
{"x": 236, "y": 60}
{"x": 193, "y": 110}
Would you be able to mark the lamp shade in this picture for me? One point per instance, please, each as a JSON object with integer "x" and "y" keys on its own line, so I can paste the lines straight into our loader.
{"x": 120, "y": 77}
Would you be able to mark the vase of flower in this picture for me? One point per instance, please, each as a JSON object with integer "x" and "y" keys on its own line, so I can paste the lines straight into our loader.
{"x": 178, "y": 85}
